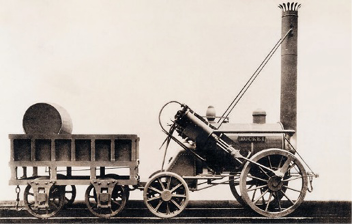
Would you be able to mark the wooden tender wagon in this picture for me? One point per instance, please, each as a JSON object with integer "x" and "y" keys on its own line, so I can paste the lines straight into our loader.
{"x": 51, "y": 166}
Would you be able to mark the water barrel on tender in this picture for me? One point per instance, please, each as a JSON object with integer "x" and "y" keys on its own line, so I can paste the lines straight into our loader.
{"x": 45, "y": 118}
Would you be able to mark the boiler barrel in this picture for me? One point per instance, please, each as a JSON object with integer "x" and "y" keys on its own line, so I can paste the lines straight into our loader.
{"x": 45, "y": 118}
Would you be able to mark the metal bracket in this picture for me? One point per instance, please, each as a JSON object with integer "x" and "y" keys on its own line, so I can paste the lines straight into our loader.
{"x": 104, "y": 189}
{"x": 41, "y": 190}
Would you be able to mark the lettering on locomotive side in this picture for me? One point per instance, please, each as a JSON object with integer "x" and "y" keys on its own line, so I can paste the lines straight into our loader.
{"x": 251, "y": 138}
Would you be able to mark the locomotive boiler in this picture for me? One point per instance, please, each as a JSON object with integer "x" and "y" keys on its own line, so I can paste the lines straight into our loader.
{"x": 259, "y": 161}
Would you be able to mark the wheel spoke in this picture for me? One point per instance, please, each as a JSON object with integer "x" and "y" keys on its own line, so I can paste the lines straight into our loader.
{"x": 291, "y": 188}
{"x": 260, "y": 165}
{"x": 255, "y": 191}
{"x": 167, "y": 208}
{"x": 154, "y": 198}
{"x": 286, "y": 165}
{"x": 293, "y": 178}
{"x": 271, "y": 167}
{"x": 264, "y": 172}
{"x": 161, "y": 184}
{"x": 287, "y": 197}
{"x": 175, "y": 188}
{"x": 168, "y": 183}
{"x": 154, "y": 189}
{"x": 269, "y": 200}
{"x": 296, "y": 169}
{"x": 280, "y": 162}
{"x": 158, "y": 206}
{"x": 252, "y": 189}
{"x": 255, "y": 202}
{"x": 177, "y": 205}
{"x": 53, "y": 204}
{"x": 116, "y": 202}
{"x": 257, "y": 178}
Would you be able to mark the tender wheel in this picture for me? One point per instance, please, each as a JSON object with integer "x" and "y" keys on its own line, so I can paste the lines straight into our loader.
{"x": 56, "y": 202}
{"x": 235, "y": 188}
{"x": 126, "y": 188}
{"x": 70, "y": 194}
{"x": 166, "y": 194}
{"x": 277, "y": 186}
{"x": 118, "y": 202}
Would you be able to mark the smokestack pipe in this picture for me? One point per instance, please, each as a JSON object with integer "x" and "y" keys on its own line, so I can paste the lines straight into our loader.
{"x": 288, "y": 109}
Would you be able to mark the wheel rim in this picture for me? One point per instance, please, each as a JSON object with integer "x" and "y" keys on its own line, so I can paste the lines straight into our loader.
{"x": 56, "y": 202}
{"x": 70, "y": 194}
{"x": 166, "y": 194}
{"x": 118, "y": 202}
{"x": 235, "y": 188}
{"x": 268, "y": 193}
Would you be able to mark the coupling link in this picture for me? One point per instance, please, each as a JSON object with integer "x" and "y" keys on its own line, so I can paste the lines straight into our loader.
{"x": 17, "y": 190}
{"x": 310, "y": 185}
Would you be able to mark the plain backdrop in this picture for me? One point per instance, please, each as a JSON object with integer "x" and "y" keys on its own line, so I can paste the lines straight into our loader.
{"x": 113, "y": 64}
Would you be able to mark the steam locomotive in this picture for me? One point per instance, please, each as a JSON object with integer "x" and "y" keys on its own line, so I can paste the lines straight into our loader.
{"x": 259, "y": 161}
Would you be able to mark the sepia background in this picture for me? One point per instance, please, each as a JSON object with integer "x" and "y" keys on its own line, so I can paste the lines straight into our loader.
{"x": 113, "y": 64}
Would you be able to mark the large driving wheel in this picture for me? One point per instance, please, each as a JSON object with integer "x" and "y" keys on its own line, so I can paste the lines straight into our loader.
{"x": 118, "y": 202}
{"x": 273, "y": 183}
{"x": 56, "y": 202}
{"x": 166, "y": 194}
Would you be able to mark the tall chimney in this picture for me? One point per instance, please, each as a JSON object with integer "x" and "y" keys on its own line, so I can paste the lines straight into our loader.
{"x": 288, "y": 112}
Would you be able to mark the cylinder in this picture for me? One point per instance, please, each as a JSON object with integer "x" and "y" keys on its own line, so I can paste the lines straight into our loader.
{"x": 288, "y": 108}
{"x": 45, "y": 118}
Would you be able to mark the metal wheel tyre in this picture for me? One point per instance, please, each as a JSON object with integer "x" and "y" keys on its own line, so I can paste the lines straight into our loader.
{"x": 166, "y": 194}
{"x": 234, "y": 184}
{"x": 56, "y": 202}
{"x": 277, "y": 186}
{"x": 118, "y": 202}
{"x": 70, "y": 194}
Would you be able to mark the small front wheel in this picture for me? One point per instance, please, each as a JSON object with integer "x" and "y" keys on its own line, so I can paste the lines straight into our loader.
{"x": 166, "y": 194}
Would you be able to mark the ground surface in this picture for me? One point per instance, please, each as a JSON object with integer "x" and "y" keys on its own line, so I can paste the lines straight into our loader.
{"x": 196, "y": 212}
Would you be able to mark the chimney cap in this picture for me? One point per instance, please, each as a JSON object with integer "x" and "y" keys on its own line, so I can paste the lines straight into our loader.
{"x": 289, "y": 6}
